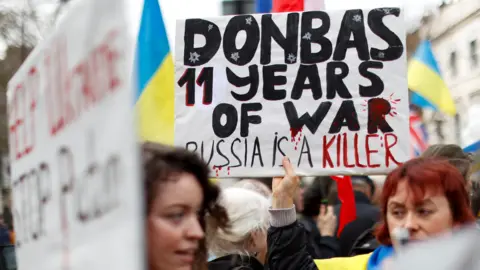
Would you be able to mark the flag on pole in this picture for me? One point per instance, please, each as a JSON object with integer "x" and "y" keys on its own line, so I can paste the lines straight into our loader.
{"x": 418, "y": 134}
{"x": 154, "y": 77}
{"x": 425, "y": 80}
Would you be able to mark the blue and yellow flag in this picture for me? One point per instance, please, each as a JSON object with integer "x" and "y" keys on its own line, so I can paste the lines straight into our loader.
{"x": 425, "y": 79}
{"x": 155, "y": 77}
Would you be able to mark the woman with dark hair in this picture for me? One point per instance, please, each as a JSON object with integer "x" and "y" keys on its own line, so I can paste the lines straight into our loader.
{"x": 427, "y": 197}
{"x": 179, "y": 196}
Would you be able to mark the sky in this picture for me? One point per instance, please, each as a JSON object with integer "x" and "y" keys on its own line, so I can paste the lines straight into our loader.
{"x": 175, "y": 9}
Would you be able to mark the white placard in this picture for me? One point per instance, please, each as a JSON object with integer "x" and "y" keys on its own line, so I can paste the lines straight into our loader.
{"x": 327, "y": 89}
{"x": 76, "y": 196}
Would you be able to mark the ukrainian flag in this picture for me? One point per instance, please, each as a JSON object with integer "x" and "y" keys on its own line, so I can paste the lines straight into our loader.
{"x": 425, "y": 79}
{"x": 154, "y": 77}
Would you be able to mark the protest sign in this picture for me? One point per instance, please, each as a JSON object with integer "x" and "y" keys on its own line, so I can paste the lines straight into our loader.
{"x": 327, "y": 89}
{"x": 74, "y": 163}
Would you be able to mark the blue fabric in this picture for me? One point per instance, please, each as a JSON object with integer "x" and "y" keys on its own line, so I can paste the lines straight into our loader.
{"x": 378, "y": 256}
{"x": 472, "y": 148}
{"x": 4, "y": 236}
{"x": 152, "y": 44}
{"x": 424, "y": 54}
{"x": 264, "y": 6}
{"x": 421, "y": 102}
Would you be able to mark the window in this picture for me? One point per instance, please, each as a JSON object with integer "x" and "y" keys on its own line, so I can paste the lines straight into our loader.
{"x": 453, "y": 63}
{"x": 473, "y": 53}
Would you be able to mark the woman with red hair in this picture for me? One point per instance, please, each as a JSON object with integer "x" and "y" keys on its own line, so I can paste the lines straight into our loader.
{"x": 425, "y": 196}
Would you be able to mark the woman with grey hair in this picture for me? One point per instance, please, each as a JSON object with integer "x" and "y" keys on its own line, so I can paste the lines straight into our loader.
{"x": 255, "y": 185}
{"x": 244, "y": 244}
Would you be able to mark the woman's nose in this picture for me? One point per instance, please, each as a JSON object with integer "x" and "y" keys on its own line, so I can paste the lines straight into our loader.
{"x": 411, "y": 222}
{"x": 195, "y": 231}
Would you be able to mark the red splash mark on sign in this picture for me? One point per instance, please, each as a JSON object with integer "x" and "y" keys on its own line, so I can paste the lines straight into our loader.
{"x": 228, "y": 170}
{"x": 378, "y": 105}
{"x": 294, "y": 132}
{"x": 393, "y": 101}
{"x": 217, "y": 169}
{"x": 296, "y": 136}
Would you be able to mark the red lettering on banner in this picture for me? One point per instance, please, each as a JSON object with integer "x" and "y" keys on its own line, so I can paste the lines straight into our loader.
{"x": 345, "y": 152}
{"x": 369, "y": 151}
{"x": 67, "y": 93}
{"x": 22, "y": 115}
{"x": 73, "y": 92}
{"x": 357, "y": 156}
{"x": 343, "y": 149}
{"x": 388, "y": 146}
{"x": 326, "y": 153}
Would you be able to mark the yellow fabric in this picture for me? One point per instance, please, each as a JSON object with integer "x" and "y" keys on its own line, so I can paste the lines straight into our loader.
{"x": 156, "y": 106}
{"x": 428, "y": 84}
{"x": 348, "y": 263}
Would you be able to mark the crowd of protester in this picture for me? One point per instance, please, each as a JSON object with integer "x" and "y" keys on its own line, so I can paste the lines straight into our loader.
{"x": 283, "y": 224}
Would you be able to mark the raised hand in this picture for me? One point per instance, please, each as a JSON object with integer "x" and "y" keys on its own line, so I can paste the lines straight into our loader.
{"x": 327, "y": 221}
{"x": 284, "y": 188}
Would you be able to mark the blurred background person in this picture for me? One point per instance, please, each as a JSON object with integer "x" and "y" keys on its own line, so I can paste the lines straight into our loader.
{"x": 244, "y": 244}
{"x": 367, "y": 213}
{"x": 299, "y": 197}
{"x": 455, "y": 155}
{"x": 179, "y": 195}
{"x": 321, "y": 227}
{"x": 5, "y": 235}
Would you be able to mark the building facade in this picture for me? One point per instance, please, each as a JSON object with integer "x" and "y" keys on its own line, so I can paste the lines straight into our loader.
{"x": 454, "y": 32}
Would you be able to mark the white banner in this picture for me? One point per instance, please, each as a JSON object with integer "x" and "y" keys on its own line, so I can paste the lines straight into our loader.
{"x": 327, "y": 89}
{"x": 74, "y": 160}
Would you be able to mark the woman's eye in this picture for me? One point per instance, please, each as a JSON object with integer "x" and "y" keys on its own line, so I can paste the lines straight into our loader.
{"x": 397, "y": 213}
{"x": 424, "y": 212}
{"x": 176, "y": 217}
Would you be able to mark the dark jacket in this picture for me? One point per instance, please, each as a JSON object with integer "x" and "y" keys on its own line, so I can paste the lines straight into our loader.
{"x": 367, "y": 216}
{"x": 288, "y": 248}
{"x": 5, "y": 236}
{"x": 365, "y": 244}
{"x": 235, "y": 262}
{"x": 322, "y": 247}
